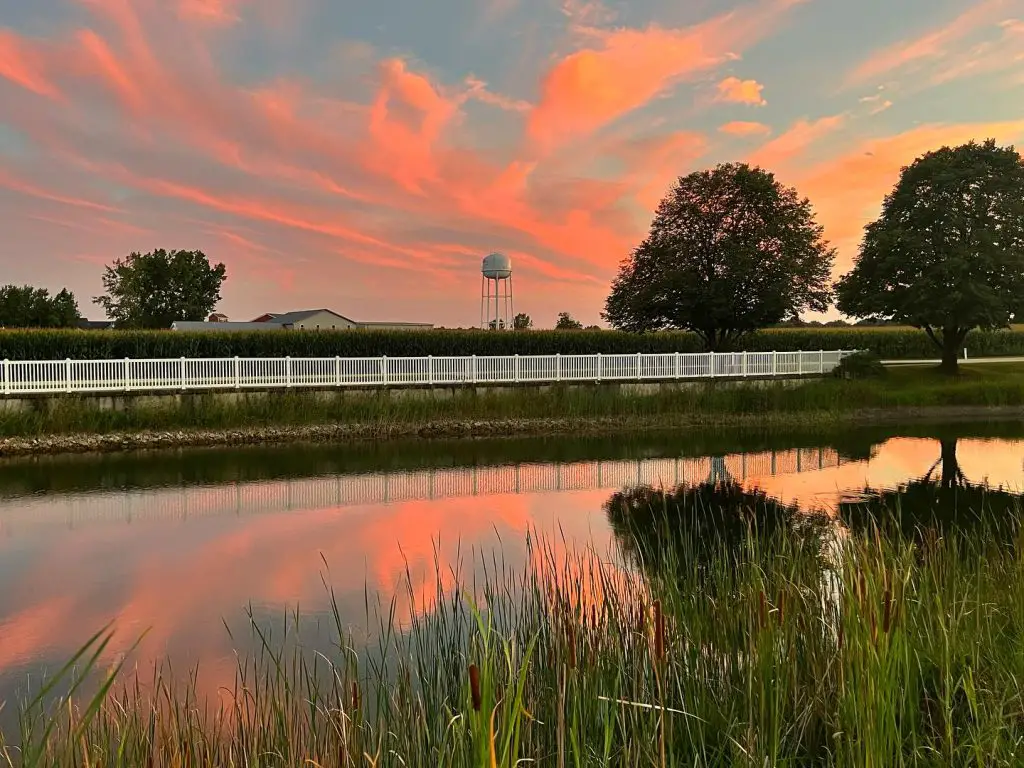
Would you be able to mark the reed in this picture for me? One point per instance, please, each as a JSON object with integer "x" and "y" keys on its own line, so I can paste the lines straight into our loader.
{"x": 807, "y": 644}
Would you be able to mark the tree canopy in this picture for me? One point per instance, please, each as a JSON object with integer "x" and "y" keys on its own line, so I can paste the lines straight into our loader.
{"x": 730, "y": 250}
{"x": 27, "y": 307}
{"x": 947, "y": 253}
{"x": 522, "y": 322}
{"x": 155, "y": 289}
{"x": 567, "y": 322}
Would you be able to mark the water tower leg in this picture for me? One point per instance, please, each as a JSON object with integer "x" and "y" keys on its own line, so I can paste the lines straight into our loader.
{"x": 483, "y": 299}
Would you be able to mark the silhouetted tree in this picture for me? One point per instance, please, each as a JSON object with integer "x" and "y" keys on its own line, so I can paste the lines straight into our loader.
{"x": 730, "y": 250}
{"x": 567, "y": 323}
{"x": 522, "y": 322}
{"x": 947, "y": 253}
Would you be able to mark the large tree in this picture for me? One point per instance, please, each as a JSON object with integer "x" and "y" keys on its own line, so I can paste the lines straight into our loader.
{"x": 22, "y": 306}
{"x": 947, "y": 253}
{"x": 152, "y": 290}
{"x": 730, "y": 250}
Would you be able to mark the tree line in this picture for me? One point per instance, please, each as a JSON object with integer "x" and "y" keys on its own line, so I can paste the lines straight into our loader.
{"x": 731, "y": 250}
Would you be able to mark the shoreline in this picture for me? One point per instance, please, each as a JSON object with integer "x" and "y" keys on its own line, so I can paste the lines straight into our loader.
{"x": 79, "y": 443}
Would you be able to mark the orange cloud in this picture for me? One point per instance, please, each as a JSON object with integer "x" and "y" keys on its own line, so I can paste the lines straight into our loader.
{"x": 847, "y": 190}
{"x": 213, "y": 12}
{"x": 627, "y": 68}
{"x": 798, "y": 138}
{"x": 936, "y": 45}
{"x": 737, "y": 91}
{"x": 742, "y": 128}
{"x": 22, "y": 66}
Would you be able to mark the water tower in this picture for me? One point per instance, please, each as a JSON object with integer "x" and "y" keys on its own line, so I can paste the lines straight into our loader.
{"x": 496, "y": 292}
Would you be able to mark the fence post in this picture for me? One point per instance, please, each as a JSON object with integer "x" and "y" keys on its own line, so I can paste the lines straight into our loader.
{"x": 558, "y": 366}
{"x": 598, "y": 366}
{"x": 799, "y": 364}
{"x": 67, "y": 374}
{"x": 384, "y": 369}
{"x": 677, "y": 365}
{"x": 337, "y": 371}
{"x": 775, "y": 363}
{"x": 745, "y": 364}
{"x": 288, "y": 371}
{"x": 821, "y": 361}
{"x": 711, "y": 364}
{"x": 183, "y": 373}
{"x": 238, "y": 373}
{"x": 472, "y": 369}
{"x": 515, "y": 369}
{"x": 7, "y": 377}
{"x": 430, "y": 370}
{"x": 127, "y": 374}
{"x": 639, "y": 367}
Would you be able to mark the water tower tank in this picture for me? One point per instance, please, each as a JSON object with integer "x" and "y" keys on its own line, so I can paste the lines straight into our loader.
{"x": 497, "y": 266}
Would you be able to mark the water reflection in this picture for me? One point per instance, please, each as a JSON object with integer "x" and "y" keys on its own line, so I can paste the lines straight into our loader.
{"x": 178, "y": 543}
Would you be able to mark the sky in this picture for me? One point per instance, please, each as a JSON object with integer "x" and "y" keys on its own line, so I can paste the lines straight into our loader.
{"x": 364, "y": 156}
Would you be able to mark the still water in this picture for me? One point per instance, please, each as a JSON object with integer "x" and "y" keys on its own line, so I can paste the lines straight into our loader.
{"x": 180, "y": 547}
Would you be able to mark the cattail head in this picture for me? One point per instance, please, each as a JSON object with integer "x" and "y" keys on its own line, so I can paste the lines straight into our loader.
{"x": 839, "y": 638}
{"x": 762, "y": 609}
{"x": 887, "y": 615}
{"x": 659, "y": 632}
{"x": 474, "y": 687}
{"x": 355, "y": 695}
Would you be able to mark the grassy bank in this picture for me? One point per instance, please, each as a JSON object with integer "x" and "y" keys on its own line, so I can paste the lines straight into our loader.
{"x": 886, "y": 342}
{"x": 755, "y": 646}
{"x": 528, "y": 411}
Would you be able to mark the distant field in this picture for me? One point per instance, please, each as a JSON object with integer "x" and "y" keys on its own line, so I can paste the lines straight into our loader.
{"x": 889, "y": 342}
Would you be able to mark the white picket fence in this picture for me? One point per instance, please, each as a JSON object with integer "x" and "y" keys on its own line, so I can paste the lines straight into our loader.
{"x": 49, "y": 376}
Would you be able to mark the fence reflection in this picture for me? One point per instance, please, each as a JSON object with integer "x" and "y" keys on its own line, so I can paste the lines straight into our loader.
{"x": 326, "y": 492}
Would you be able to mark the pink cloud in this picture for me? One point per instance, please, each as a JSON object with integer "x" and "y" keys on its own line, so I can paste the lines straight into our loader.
{"x": 794, "y": 141}
{"x": 737, "y": 91}
{"x": 936, "y": 45}
{"x": 624, "y": 69}
{"x": 20, "y": 64}
{"x": 745, "y": 129}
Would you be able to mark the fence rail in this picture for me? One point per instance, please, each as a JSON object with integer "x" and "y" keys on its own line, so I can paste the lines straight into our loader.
{"x": 54, "y": 376}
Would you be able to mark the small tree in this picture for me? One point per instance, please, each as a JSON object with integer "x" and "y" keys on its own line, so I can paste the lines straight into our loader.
{"x": 522, "y": 322}
{"x": 567, "y": 323}
{"x": 729, "y": 251}
{"x": 947, "y": 253}
{"x": 153, "y": 290}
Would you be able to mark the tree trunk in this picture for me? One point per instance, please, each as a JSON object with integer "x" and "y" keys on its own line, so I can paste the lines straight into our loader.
{"x": 952, "y": 341}
{"x": 951, "y": 474}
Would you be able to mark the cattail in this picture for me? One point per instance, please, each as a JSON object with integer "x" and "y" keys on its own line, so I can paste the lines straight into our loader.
{"x": 659, "y": 632}
{"x": 763, "y": 609}
{"x": 888, "y": 612}
{"x": 874, "y": 626}
{"x": 474, "y": 687}
{"x": 839, "y": 639}
{"x": 355, "y": 695}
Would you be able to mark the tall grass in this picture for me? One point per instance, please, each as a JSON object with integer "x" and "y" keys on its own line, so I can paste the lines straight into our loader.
{"x": 880, "y": 648}
{"x": 383, "y": 413}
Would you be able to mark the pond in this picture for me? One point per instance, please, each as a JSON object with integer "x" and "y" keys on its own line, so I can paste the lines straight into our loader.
{"x": 181, "y": 548}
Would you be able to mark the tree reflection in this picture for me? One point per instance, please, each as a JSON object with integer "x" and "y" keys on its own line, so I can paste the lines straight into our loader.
{"x": 706, "y": 525}
{"x": 942, "y": 502}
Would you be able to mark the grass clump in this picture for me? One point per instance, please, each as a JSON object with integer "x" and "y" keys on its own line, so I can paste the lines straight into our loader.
{"x": 787, "y": 640}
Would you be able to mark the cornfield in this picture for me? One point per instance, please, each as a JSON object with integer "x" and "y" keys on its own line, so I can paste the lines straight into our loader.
{"x": 887, "y": 342}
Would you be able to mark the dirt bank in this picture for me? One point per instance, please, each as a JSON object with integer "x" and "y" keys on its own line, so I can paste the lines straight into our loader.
{"x": 181, "y": 438}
